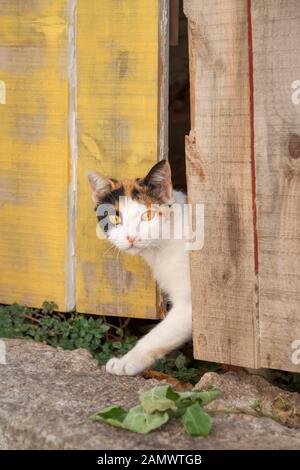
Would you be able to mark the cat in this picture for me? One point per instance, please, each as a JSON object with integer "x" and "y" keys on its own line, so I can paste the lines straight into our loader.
{"x": 139, "y": 207}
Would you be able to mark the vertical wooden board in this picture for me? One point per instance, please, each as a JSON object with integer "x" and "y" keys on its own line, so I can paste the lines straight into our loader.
{"x": 121, "y": 133}
{"x": 218, "y": 154}
{"x": 276, "y": 39}
{"x": 34, "y": 156}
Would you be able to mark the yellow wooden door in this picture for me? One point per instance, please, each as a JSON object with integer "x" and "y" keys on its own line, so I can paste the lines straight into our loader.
{"x": 34, "y": 153}
{"x": 114, "y": 62}
{"x": 121, "y": 133}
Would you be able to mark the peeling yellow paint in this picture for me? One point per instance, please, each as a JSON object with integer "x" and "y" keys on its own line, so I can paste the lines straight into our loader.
{"x": 34, "y": 154}
{"x": 117, "y": 75}
{"x": 91, "y": 146}
{"x": 118, "y": 47}
{"x": 51, "y": 26}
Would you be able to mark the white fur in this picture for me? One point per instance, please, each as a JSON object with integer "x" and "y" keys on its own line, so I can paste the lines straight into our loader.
{"x": 169, "y": 261}
{"x": 133, "y": 225}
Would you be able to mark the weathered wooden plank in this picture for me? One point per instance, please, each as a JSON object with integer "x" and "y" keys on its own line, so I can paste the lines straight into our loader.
{"x": 219, "y": 173}
{"x": 276, "y": 39}
{"x": 34, "y": 155}
{"x": 121, "y": 132}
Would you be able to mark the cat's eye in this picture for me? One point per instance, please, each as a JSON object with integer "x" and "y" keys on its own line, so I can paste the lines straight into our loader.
{"x": 148, "y": 215}
{"x": 114, "y": 219}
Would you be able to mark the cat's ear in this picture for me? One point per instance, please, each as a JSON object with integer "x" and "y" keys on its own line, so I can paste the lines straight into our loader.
{"x": 160, "y": 180}
{"x": 100, "y": 185}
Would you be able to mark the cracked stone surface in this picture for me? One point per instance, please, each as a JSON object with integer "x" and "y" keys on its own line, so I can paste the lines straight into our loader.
{"x": 241, "y": 389}
{"x": 47, "y": 396}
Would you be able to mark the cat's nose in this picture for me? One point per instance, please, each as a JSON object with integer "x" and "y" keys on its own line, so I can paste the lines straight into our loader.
{"x": 131, "y": 239}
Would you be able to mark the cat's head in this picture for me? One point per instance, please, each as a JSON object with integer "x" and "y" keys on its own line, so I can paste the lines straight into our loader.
{"x": 133, "y": 212}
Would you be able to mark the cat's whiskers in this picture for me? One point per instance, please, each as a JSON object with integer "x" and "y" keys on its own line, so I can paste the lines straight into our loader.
{"x": 118, "y": 253}
{"x": 114, "y": 251}
{"x": 154, "y": 245}
{"x": 110, "y": 248}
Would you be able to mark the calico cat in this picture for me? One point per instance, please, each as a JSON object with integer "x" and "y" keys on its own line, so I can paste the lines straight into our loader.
{"x": 128, "y": 211}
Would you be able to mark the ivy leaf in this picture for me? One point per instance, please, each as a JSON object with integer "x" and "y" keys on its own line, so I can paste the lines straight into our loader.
{"x": 207, "y": 396}
{"x": 113, "y": 415}
{"x": 138, "y": 420}
{"x": 160, "y": 398}
{"x": 196, "y": 421}
{"x": 180, "y": 361}
{"x": 189, "y": 398}
{"x": 203, "y": 398}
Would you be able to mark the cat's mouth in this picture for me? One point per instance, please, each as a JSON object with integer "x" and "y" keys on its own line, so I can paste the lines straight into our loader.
{"x": 133, "y": 250}
{"x": 132, "y": 247}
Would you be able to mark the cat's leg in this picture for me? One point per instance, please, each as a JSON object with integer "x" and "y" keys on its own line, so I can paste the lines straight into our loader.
{"x": 169, "y": 334}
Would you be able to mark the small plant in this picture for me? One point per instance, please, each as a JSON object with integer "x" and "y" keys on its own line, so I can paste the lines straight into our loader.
{"x": 69, "y": 331}
{"x": 256, "y": 406}
{"x": 178, "y": 367}
{"x": 159, "y": 405}
{"x": 104, "y": 337}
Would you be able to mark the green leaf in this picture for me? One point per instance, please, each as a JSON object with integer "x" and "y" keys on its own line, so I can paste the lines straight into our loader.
{"x": 113, "y": 415}
{"x": 138, "y": 420}
{"x": 196, "y": 421}
{"x": 180, "y": 361}
{"x": 208, "y": 396}
{"x": 256, "y": 406}
{"x": 189, "y": 398}
{"x": 203, "y": 398}
{"x": 49, "y": 307}
{"x": 160, "y": 398}
{"x": 182, "y": 405}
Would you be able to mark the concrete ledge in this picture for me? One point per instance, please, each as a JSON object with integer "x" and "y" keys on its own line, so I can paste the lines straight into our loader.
{"x": 47, "y": 396}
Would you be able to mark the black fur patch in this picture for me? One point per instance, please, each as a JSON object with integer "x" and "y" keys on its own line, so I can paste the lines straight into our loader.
{"x": 110, "y": 199}
{"x": 135, "y": 193}
{"x": 104, "y": 219}
{"x": 113, "y": 196}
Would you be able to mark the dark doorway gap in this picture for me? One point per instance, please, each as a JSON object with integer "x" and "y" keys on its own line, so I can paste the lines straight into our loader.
{"x": 179, "y": 103}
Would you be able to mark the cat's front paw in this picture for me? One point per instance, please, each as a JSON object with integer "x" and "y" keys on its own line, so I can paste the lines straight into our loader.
{"x": 126, "y": 365}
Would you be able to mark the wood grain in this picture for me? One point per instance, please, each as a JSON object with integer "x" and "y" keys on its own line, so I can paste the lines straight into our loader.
{"x": 276, "y": 39}
{"x": 34, "y": 153}
{"x": 121, "y": 72}
{"x": 218, "y": 154}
